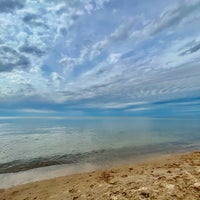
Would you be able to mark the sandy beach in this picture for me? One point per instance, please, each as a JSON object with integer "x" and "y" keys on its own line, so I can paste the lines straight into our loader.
{"x": 164, "y": 177}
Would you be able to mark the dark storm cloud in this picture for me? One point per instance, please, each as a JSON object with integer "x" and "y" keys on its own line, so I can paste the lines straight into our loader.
{"x": 11, "y": 5}
{"x": 10, "y": 59}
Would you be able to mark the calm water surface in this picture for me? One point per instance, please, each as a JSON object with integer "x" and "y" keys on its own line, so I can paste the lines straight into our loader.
{"x": 35, "y": 142}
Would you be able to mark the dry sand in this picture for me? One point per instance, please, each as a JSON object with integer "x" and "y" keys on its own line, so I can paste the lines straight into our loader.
{"x": 166, "y": 177}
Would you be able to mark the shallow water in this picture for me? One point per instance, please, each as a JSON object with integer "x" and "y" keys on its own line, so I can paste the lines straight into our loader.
{"x": 28, "y": 143}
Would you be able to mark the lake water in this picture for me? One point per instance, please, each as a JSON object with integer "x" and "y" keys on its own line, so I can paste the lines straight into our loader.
{"x": 27, "y": 143}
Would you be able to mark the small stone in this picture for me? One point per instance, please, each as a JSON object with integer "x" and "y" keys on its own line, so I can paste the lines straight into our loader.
{"x": 197, "y": 186}
{"x": 116, "y": 192}
{"x": 143, "y": 188}
{"x": 113, "y": 198}
{"x": 170, "y": 186}
{"x": 161, "y": 178}
{"x": 145, "y": 194}
{"x": 72, "y": 190}
{"x": 113, "y": 182}
{"x": 124, "y": 193}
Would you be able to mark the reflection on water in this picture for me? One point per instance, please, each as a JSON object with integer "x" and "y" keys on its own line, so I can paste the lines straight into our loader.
{"x": 52, "y": 141}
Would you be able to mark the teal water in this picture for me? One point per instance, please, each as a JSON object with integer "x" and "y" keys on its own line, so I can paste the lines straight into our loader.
{"x": 28, "y": 143}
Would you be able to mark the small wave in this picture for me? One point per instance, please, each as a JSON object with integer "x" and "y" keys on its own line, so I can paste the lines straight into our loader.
{"x": 99, "y": 156}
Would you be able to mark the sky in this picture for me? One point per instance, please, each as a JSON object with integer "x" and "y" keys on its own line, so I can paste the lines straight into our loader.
{"x": 100, "y": 57}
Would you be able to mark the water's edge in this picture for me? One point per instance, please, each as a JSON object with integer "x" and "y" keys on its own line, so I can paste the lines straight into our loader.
{"x": 96, "y": 157}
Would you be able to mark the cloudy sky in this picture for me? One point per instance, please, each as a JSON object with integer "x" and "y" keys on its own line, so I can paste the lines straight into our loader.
{"x": 100, "y": 57}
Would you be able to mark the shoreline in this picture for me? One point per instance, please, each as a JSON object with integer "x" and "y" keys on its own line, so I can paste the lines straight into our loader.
{"x": 98, "y": 156}
{"x": 96, "y": 162}
{"x": 169, "y": 176}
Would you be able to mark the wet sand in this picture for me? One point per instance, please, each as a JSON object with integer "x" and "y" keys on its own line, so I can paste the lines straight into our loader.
{"x": 165, "y": 177}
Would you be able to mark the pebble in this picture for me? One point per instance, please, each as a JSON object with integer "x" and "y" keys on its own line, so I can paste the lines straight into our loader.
{"x": 170, "y": 186}
{"x": 197, "y": 186}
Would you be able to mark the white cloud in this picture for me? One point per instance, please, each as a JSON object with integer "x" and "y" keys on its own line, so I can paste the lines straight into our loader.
{"x": 134, "y": 58}
{"x": 137, "y": 109}
{"x": 69, "y": 63}
{"x": 113, "y": 58}
{"x": 120, "y": 34}
{"x": 36, "y": 111}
